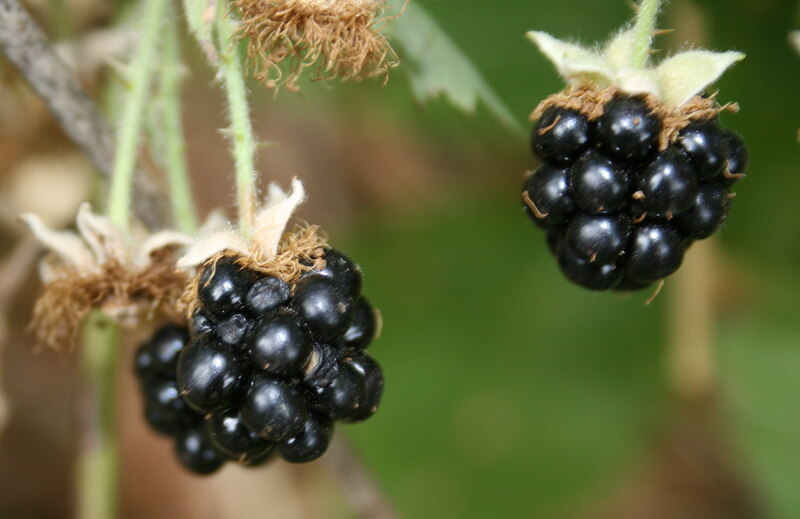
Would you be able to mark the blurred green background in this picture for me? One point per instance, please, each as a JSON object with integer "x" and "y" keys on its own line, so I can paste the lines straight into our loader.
{"x": 511, "y": 393}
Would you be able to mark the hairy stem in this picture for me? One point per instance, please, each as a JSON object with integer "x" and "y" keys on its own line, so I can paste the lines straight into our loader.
{"x": 241, "y": 129}
{"x": 141, "y": 73}
{"x": 645, "y": 26}
{"x": 98, "y": 462}
{"x": 183, "y": 210}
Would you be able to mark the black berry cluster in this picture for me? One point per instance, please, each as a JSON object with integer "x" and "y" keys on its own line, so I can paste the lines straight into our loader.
{"x": 264, "y": 367}
{"x": 619, "y": 213}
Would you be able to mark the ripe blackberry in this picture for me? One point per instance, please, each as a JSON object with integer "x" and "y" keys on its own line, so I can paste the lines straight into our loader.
{"x": 628, "y": 130}
{"x": 196, "y": 452}
{"x": 224, "y": 286}
{"x": 598, "y": 185}
{"x": 364, "y": 326}
{"x": 547, "y": 197}
{"x": 561, "y": 135}
{"x": 598, "y": 239}
{"x": 232, "y": 437}
{"x": 310, "y": 443}
{"x": 266, "y": 366}
{"x": 621, "y": 217}
{"x": 711, "y": 206}
{"x": 635, "y": 165}
{"x": 668, "y": 185}
{"x": 326, "y": 308}
{"x": 210, "y": 374}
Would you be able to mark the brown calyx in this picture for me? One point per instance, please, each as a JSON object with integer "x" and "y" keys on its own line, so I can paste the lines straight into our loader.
{"x": 299, "y": 251}
{"x": 335, "y": 39}
{"x": 130, "y": 296}
{"x": 591, "y": 101}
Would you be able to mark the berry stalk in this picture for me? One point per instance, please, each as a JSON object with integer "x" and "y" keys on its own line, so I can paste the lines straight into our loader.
{"x": 141, "y": 74}
{"x": 98, "y": 464}
{"x": 241, "y": 128}
{"x": 645, "y": 27}
{"x": 183, "y": 210}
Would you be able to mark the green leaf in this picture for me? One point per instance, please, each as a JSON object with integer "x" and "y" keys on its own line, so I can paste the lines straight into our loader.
{"x": 437, "y": 67}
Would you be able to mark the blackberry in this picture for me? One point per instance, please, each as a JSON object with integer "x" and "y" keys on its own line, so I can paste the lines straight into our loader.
{"x": 628, "y": 130}
{"x": 373, "y": 384}
{"x": 267, "y": 293}
{"x": 345, "y": 273}
{"x": 547, "y": 196}
{"x": 711, "y": 206}
{"x": 196, "y": 452}
{"x": 264, "y": 367}
{"x": 599, "y": 239}
{"x": 224, "y": 286}
{"x": 232, "y": 437}
{"x": 364, "y": 326}
{"x": 308, "y": 444}
{"x": 736, "y": 158}
{"x": 598, "y": 185}
{"x": 668, "y": 185}
{"x": 341, "y": 398}
{"x": 561, "y": 135}
{"x": 325, "y": 307}
{"x": 594, "y": 276}
{"x": 619, "y": 207}
{"x": 273, "y": 408}
{"x": 210, "y": 374}
{"x": 280, "y": 343}
{"x": 704, "y": 143}
{"x": 656, "y": 251}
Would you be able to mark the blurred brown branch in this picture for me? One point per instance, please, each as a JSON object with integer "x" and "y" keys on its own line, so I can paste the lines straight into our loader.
{"x": 28, "y": 48}
{"x": 13, "y": 275}
{"x": 363, "y": 492}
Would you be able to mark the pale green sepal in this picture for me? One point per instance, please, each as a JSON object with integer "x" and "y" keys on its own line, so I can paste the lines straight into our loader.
{"x": 619, "y": 51}
{"x": 576, "y": 64}
{"x": 686, "y": 74}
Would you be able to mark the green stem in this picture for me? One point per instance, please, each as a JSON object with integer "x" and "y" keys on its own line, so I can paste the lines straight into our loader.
{"x": 141, "y": 72}
{"x": 241, "y": 129}
{"x": 183, "y": 210}
{"x": 98, "y": 463}
{"x": 645, "y": 27}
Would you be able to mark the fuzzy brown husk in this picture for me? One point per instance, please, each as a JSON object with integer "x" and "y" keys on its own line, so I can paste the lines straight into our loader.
{"x": 590, "y": 102}
{"x": 299, "y": 251}
{"x": 130, "y": 296}
{"x": 333, "y": 38}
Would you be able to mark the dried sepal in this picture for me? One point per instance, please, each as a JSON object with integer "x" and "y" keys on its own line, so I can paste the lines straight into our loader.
{"x": 590, "y": 102}
{"x": 270, "y": 249}
{"x": 96, "y": 267}
{"x": 334, "y": 39}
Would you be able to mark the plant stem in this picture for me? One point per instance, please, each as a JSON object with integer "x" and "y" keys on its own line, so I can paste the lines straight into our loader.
{"x": 141, "y": 72}
{"x": 183, "y": 210}
{"x": 645, "y": 27}
{"x": 241, "y": 129}
{"x": 690, "y": 355}
{"x": 98, "y": 463}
